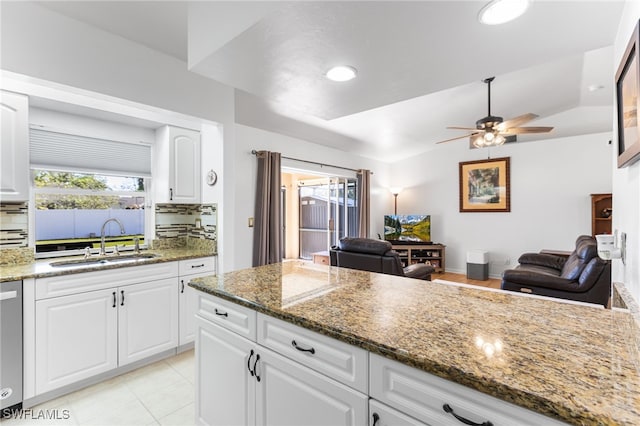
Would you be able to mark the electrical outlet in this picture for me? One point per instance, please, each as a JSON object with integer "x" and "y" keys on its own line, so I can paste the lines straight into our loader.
{"x": 250, "y": 222}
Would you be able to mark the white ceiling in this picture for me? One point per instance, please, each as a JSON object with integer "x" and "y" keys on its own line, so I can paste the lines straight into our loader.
{"x": 420, "y": 64}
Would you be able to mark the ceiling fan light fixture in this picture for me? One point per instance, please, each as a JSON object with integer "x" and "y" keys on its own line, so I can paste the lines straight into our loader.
{"x": 341, "y": 73}
{"x": 499, "y": 12}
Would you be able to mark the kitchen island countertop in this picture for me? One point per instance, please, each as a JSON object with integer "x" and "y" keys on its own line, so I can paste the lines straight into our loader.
{"x": 576, "y": 363}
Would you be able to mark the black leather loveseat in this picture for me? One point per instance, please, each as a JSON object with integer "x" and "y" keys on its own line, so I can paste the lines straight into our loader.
{"x": 375, "y": 256}
{"x": 583, "y": 276}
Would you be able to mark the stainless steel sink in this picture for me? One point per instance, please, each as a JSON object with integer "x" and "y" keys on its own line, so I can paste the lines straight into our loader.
{"x": 103, "y": 260}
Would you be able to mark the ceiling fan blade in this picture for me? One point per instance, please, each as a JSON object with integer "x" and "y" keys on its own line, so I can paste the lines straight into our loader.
{"x": 459, "y": 137}
{"x": 525, "y": 130}
{"x": 462, "y": 128}
{"x": 517, "y": 121}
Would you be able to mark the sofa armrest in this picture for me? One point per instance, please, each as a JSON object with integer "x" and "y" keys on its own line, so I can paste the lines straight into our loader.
{"x": 421, "y": 271}
{"x": 522, "y": 277}
{"x": 545, "y": 260}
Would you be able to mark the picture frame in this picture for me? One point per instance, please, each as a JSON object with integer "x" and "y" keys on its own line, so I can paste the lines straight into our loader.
{"x": 627, "y": 102}
{"x": 485, "y": 185}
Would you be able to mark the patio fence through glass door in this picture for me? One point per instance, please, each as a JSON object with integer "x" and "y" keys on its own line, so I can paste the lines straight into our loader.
{"x": 328, "y": 212}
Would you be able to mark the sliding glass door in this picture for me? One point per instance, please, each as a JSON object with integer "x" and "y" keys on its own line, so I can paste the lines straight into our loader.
{"x": 328, "y": 212}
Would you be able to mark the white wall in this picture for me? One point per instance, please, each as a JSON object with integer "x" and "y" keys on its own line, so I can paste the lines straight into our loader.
{"x": 44, "y": 44}
{"x": 551, "y": 183}
{"x": 626, "y": 181}
{"x": 245, "y": 165}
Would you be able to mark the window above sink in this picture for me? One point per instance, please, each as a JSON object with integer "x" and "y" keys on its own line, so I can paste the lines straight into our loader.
{"x": 71, "y": 207}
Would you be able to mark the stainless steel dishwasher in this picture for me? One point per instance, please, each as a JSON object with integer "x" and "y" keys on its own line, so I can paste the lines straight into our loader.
{"x": 10, "y": 346}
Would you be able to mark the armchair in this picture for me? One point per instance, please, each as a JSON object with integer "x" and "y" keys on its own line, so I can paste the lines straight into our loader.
{"x": 375, "y": 256}
{"x": 583, "y": 276}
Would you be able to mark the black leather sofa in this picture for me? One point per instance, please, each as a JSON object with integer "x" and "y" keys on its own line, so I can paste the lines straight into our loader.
{"x": 582, "y": 276}
{"x": 375, "y": 256}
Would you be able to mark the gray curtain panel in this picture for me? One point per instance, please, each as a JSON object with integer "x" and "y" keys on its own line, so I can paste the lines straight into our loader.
{"x": 364, "y": 212}
{"x": 267, "y": 232}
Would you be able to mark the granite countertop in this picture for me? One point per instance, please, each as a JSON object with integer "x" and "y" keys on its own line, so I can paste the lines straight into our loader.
{"x": 573, "y": 362}
{"x": 42, "y": 268}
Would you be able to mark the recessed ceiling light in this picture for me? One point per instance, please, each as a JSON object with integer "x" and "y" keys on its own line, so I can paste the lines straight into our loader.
{"x": 341, "y": 73}
{"x": 500, "y": 11}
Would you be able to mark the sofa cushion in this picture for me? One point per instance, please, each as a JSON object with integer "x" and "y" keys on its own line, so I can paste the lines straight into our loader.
{"x": 543, "y": 260}
{"x": 586, "y": 249}
{"x": 364, "y": 245}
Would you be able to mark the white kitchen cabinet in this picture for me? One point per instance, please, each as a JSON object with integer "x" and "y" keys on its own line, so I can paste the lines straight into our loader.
{"x": 289, "y": 393}
{"x": 225, "y": 388}
{"x": 437, "y": 401}
{"x": 76, "y": 338}
{"x": 177, "y": 166}
{"x": 148, "y": 319}
{"x": 188, "y": 297}
{"x": 239, "y": 382}
{"x": 14, "y": 147}
{"x": 89, "y": 332}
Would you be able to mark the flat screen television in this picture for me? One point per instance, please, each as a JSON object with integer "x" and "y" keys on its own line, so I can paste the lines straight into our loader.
{"x": 407, "y": 228}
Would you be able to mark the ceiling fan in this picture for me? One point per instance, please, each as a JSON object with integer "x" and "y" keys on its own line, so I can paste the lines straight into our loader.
{"x": 492, "y": 130}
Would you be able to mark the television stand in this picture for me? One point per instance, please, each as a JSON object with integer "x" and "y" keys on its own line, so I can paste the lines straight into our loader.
{"x": 429, "y": 253}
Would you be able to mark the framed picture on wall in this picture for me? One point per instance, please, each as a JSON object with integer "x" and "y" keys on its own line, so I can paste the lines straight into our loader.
{"x": 484, "y": 186}
{"x": 627, "y": 89}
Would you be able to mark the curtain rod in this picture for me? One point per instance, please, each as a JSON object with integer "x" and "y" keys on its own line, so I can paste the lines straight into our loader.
{"x": 254, "y": 152}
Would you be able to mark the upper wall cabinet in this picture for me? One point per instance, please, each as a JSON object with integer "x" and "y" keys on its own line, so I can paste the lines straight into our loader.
{"x": 14, "y": 143}
{"x": 177, "y": 172}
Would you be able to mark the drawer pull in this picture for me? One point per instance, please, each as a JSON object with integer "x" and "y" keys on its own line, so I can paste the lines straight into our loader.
{"x": 447, "y": 409}
{"x": 222, "y": 314}
{"x": 197, "y": 266}
{"x": 295, "y": 345}
{"x": 376, "y": 419}
{"x": 249, "y": 363}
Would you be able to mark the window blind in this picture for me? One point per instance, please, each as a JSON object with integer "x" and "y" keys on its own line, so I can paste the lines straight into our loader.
{"x": 60, "y": 151}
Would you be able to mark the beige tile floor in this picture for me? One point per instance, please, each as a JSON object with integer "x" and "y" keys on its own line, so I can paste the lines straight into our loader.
{"x": 161, "y": 393}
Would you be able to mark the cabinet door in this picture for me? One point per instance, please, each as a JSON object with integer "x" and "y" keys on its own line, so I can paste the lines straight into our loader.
{"x": 76, "y": 338}
{"x": 291, "y": 394}
{"x": 148, "y": 319}
{"x": 225, "y": 389}
{"x": 382, "y": 415}
{"x": 185, "y": 167}
{"x": 14, "y": 147}
{"x": 188, "y": 307}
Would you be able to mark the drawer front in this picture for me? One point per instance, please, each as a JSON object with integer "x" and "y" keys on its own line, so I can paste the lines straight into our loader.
{"x": 423, "y": 396}
{"x": 229, "y": 315}
{"x": 342, "y": 362}
{"x": 383, "y": 415}
{"x": 64, "y": 285}
{"x": 201, "y": 265}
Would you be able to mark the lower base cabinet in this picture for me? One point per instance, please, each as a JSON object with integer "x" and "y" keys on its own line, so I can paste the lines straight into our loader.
{"x": 82, "y": 335}
{"x": 239, "y": 382}
{"x": 77, "y": 337}
{"x": 225, "y": 388}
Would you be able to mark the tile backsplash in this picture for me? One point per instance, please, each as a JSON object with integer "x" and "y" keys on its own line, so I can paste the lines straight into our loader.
{"x": 193, "y": 221}
{"x": 14, "y": 225}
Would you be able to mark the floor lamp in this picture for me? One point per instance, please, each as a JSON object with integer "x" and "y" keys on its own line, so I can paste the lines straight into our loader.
{"x": 395, "y": 191}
